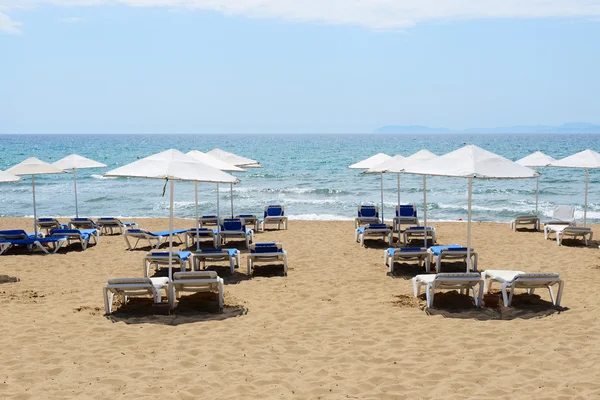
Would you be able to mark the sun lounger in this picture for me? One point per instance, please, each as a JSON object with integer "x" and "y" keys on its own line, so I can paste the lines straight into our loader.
{"x": 381, "y": 230}
{"x": 208, "y": 220}
{"x": 133, "y": 287}
{"x": 367, "y": 215}
{"x": 158, "y": 237}
{"x": 273, "y": 215}
{"x": 235, "y": 228}
{"x": 111, "y": 224}
{"x": 194, "y": 235}
{"x": 83, "y": 223}
{"x": 574, "y": 232}
{"x": 267, "y": 252}
{"x": 392, "y": 255}
{"x": 525, "y": 220}
{"x": 251, "y": 219}
{"x": 418, "y": 232}
{"x": 200, "y": 257}
{"x": 449, "y": 281}
{"x": 54, "y": 243}
{"x": 451, "y": 252}
{"x": 156, "y": 258}
{"x": 406, "y": 214}
{"x": 47, "y": 224}
{"x": 195, "y": 282}
{"x": 522, "y": 280}
{"x": 83, "y": 236}
{"x": 562, "y": 215}
{"x": 14, "y": 234}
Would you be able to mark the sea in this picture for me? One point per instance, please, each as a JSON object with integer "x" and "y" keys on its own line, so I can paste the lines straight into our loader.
{"x": 306, "y": 173}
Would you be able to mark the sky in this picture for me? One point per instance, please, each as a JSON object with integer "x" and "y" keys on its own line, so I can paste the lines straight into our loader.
{"x": 290, "y": 66}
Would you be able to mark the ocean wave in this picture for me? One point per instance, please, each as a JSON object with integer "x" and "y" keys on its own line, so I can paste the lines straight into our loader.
{"x": 97, "y": 176}
{"x": 320, "y": 217}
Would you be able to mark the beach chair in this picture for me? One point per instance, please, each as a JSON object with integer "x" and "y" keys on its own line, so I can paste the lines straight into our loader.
{"x": 381, "y": 230}
{"x": 235, "y": 228}
{"x": 392, "y": 255}
{"x": 47, "y": 224}
{"x": 449, "y": 281}
{"x": 418, "y": 232}
{"x": 251, "y": 219}
{"x": 575, "y": 232}
{"x": 522, "y": 280}
{"x": 367, "y": 215}
{"x": 208, "y": 220}
{"x": 200, "y": 257}
{"x": 134, "y": 287}
{"x": 451, "y": 252}
{"x": 83, "y": 236}
{"x": 156, "y": 258}
{"x": 158, "y": 237}
{"x": 18, "y": 237}
{"x": 267, "y": 252}
{"x": 406, "y": 214}
{"x": 196, "y": 235}
{"x": 525, "y": 220}
{"x": 195, "y": 282}
{"x": 273, "y": 215}
{"x": 111, "y": 225}
{"x": 83, "y": 223}
{"x": 562, "y": 215}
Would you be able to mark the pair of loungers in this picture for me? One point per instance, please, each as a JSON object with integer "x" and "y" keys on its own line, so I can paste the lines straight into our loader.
{"x": 50, "y": 243}
{"x": 385, "y": 231}
{"x": 406, "y": 214}
{"x": 434, "y": 254}
{"x": 272, "y": 215}
{"x": 108, "y": 225}
{"x": 509, "y": 280}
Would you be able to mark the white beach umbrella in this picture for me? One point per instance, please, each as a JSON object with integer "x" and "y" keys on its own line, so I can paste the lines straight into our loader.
{"x": 33, "y": 166}
{"x": 172, "y": 165}
{"x": 215, "y": 163}
{"x": 8, "y": 177}
{"x": 371, "y": 162}
{"x": 397, "y": 164}
{"x": 536, "y": 160}
{"x": 236, "y": 160}
{"x": 586, "y": 159}
{"x": 74, "y": 162}
{"x": 471, "y": 162}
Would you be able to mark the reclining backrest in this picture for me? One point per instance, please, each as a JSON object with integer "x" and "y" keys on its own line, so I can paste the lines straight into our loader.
{"x": 232, "y": 224}
{"x": 407, "y": 210}
{"x": 13, "y": 234}
{"x": 564, "y": 213}
{"x": 368, "y": 211}
{"x": 267, "y": 247}
{"x": 274, "y": 211}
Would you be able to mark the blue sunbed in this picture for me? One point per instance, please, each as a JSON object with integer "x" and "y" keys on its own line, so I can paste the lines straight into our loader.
{"x": 367, "y": 215}
{"x": 452, "y": 252}
{"x": 159, "y": 237}
{"x": 273, "y": 214}
{"x": 203, "y": 255}
{"x": 110, "y": 224}
{"x": 267, "y": 252}
{"x": 83, "y": 236}
{"x": 34, "y": 242}
{"x": 196, "y": 234}
{"x": 157, "y": 258}
{"x": 234, "y": 227}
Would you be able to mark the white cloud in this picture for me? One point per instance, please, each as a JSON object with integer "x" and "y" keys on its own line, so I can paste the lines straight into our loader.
{"x": 372, "y": 14}
{"x": 7, "y": 25}
{"x": 72, "y": 20}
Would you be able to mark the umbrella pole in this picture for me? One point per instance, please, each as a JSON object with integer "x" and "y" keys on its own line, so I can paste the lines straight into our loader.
{"x": 381, "y": 186}
{"x": 469, "y": 225}
{"x": 197, "y": 219}
{"x": 171, "y": 232}
{"x": 218, "y": 210}
{"x": 34, "y": 207}
{"x": 398, "y": 213}
{"x": 537, "y": 193}
{"x": 231, "y": 197}
{"x": 75, "y": 184}
{"x": 425, "y": 211}
{"x": 587, "y": 175}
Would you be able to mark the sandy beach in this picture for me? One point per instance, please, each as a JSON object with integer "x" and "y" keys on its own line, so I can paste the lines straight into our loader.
{"x": 336, "y": 327}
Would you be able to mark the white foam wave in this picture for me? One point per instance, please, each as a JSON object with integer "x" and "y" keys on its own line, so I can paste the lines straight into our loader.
{"x": 320, "y": 217}
{"x": 96, "y": 176}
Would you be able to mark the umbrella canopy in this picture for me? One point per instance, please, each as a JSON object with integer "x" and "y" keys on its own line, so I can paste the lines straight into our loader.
{"x": 370, "y": 163}
{"x": 74, "y": 162}
{"x": 383, "y": 166}
{"x": 33, "y": 166}
{"x": 172, "y": 165}
{"x": 586, "y": 159}
{"x": 8, "y": 177}
{"x": 536, "y": 160}
{"x": 471, "y": 162}
{"x": 234, "y": 159}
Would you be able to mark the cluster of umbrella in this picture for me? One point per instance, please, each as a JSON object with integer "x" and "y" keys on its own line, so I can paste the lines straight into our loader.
{"x": 472, "y": 162}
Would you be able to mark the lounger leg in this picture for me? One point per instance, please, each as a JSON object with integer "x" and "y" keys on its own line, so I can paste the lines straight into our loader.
{"x": 512, "y": 293}
{"x": 127, "y": 242}
{"x": 249, "y": 263}
{"x": 285, "y": 264}
{"x": 551, "y": 294}
{"x": 39, "y": 246}
{"x": 232, "y": 264}
{"x": 438, "y": 264}
{"x": 429, "y": 295}
{"x": 108, "y": 300}
{"x": 427, "y": 265}
{"x": 416, "y": 287}
{"x": 561, "y": 285}
{"x": 505, "y": 295}
{"x": 171, "y": 296}
{"x": 221, "y": 296}
{"x": 479, "y": 293}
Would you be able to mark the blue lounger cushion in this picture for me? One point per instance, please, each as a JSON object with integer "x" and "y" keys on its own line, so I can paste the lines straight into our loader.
{"x": 274, "y": 211}
{"x": 183, "y": 255}
{"x": 10, "y": 234}
{"x": 84, "y": 233}
{"x": 407, "y": 211}
{"x": 231, "y": 252}
{"x": 377, "y": 226}
{"x": 203, "y": 231}
{"x": 438, "y": 249}
{"x": 368, "y": 212}
{"x": 234, "y": 225}
{"x": 391, "y": 251}
{"x": 161, "y": 233}
{"x": 27, "y": 242}
{"x": 266, "y": 247}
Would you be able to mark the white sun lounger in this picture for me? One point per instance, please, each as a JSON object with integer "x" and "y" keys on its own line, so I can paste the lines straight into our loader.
{"x": 406, "y": 214}
{"x": 418, "y": 232}
{"x": 142, "y": 234}
{"x": 195, "y": 282}
{"x": 267, "y": 252}
{"x": 381, "y": 230}
{"x": 394, "y": 254}
{"x": 274, "y": 214}
{"x": 235, "y": 228}
{"x": 525, "y": 220}
{"x": 83, "y": 223}
{"x": 197, "y": 234}
{"x": 111, "y": 225}
{"x": 133, "y": 287}
{"x": 366, "y": 215}
{"x": 521, "y": 280}
{"x": 574, "y": 232}
{"x": 199, "y": 258}
{"x": 451, "y": 252}
{"x": 449, "y": 281}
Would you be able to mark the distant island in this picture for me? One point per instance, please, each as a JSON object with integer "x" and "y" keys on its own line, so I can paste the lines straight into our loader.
{"x": 570, "y": 127}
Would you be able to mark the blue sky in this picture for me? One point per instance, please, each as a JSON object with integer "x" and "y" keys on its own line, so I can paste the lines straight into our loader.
{"x": 254, "y": 67}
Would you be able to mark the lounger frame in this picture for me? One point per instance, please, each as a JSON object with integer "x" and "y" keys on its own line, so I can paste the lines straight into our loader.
{"x": 421, "y": 255}
{"x": 529, "y": 281}
{"x": 450, "y": 281}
